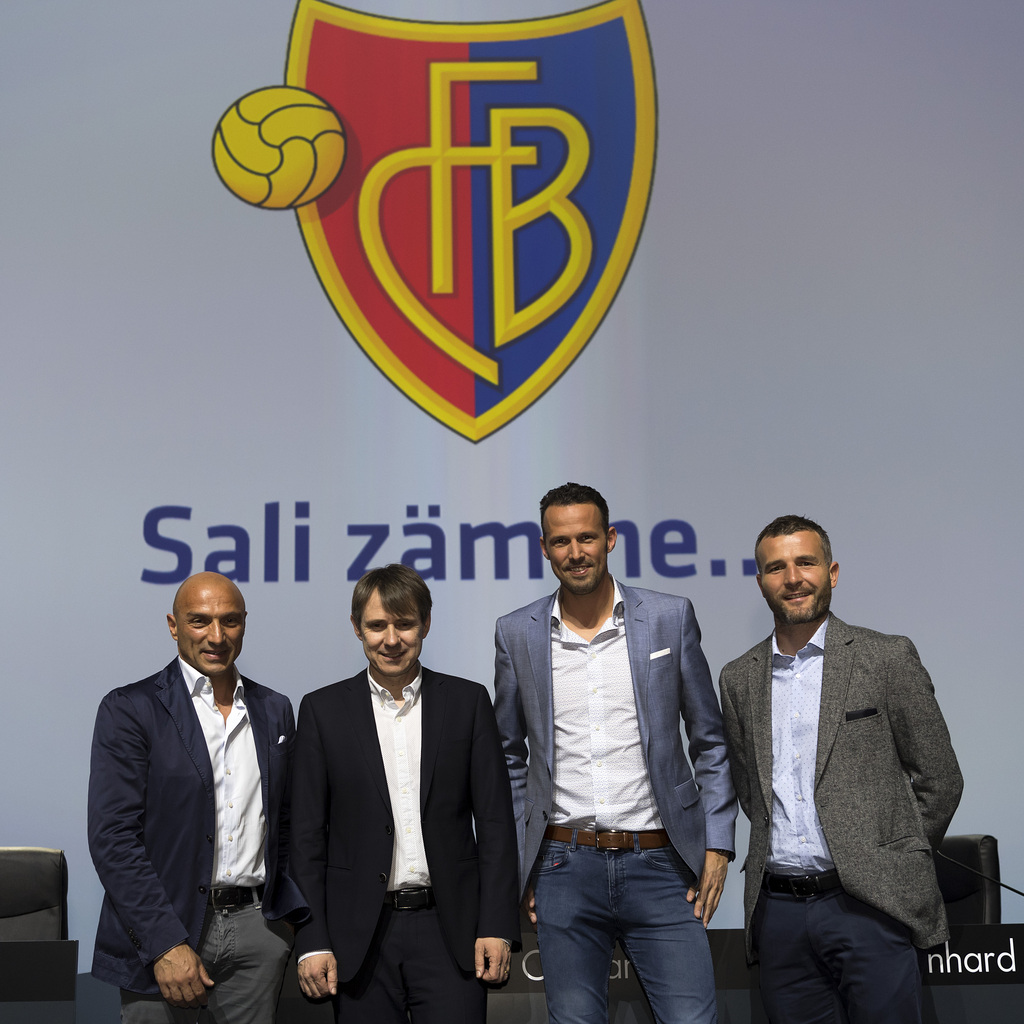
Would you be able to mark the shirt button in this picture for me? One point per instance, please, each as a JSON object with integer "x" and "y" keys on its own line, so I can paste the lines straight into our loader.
{"x": 231, "y": 839}
{"x": 803, "y": 839}
{"x": 600, "y": 764}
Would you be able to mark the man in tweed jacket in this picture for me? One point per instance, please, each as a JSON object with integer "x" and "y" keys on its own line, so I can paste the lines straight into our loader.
{"x": 843, "y": 763}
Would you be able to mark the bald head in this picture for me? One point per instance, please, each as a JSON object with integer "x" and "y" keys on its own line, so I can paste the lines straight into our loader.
{"x": 208, "y": 622}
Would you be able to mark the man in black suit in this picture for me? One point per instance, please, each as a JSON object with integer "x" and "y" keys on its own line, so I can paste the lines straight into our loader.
{"x": 403, "y": 838}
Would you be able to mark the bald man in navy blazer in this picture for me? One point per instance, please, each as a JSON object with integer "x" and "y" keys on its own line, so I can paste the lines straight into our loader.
{"x": 173, "y": 936}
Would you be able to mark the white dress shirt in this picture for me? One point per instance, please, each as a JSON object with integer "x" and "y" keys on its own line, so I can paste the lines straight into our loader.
{"x": 241, "y": 829}
{"x": 600, "y": 778}
{"x": 400, "y": 732}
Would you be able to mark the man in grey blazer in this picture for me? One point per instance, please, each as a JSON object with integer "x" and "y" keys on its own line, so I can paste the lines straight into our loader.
{"x": 620, "y": 836}
{"x": 842, "y": 762}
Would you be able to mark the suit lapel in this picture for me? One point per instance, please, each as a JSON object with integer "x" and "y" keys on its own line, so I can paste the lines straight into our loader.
{"x": 835, "y": 681}
{"x": 257, "y": 712}
{"x": 434, "y": 696}
{"x": 638, "y": 646}
{"x": 538, "y": 643}
{"x": 759, "y": 683}
{"x": 173, "y": 694}
{"x": 357, "y": 711}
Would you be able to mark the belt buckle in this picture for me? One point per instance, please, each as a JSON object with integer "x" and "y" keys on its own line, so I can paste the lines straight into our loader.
{"x": 612, "y": 840}
{"x": 804, "y": 886}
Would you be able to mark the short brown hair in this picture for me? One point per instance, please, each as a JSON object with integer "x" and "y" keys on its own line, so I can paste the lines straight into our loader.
{"x": 574, "y": 494}
{"x": 784, "y": 526}
{"x": 400, "y": 589}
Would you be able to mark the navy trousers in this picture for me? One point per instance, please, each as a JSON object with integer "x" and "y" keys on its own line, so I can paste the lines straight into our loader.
{"x": 830, "y": 958}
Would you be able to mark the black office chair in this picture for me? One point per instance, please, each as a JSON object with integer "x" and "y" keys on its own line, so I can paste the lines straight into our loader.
{"x": 33, "y": 893}
{"x": 969, "y": 898}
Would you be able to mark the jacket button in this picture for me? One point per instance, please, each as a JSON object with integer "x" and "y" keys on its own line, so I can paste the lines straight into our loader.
{"x": 388, "y": 829}
{"x": 382, "y": 878}
{"x": 209, "y": 839}
{"x": 202, "y": 889}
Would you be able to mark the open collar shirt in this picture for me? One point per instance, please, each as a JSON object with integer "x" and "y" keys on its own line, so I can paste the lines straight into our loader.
{"x": 600, "y": 776}
{"x": 798, "y": 844}
{"x": 400, "y": 734}
{"x": 241, "y": 828}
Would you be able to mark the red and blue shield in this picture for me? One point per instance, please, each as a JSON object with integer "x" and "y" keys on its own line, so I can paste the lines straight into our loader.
{"x": 494, "y": 186}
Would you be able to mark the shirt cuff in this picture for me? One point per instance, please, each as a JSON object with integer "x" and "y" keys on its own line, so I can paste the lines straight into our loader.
{"x": 315, "y": 952}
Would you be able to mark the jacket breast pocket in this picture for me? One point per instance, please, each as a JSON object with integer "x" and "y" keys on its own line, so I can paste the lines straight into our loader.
{"x": 687, "y": 793}
{"x": 861, "y": 714}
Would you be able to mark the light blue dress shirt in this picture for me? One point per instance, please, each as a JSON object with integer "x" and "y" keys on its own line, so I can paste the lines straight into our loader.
{"x": 798, "y": 844}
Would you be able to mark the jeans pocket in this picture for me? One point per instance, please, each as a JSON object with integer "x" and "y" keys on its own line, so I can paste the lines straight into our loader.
{"x": 665, "y": 858}
{"x": 552, "y": 855}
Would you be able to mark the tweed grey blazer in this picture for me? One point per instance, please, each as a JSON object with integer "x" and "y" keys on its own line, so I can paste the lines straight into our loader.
{"x": 886, "y": 780}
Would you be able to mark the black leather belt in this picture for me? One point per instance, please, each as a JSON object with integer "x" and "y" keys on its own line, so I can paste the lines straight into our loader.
{"x": 223, "y": 897}
{"x": 419, "y": 898}
{"x": 801, "y": 886}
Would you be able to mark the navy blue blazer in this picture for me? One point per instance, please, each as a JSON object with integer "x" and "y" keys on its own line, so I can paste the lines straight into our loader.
{"x": 151, "y": 820}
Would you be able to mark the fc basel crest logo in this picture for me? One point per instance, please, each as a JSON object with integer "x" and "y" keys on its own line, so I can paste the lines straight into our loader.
{"x": 470, "y": 194}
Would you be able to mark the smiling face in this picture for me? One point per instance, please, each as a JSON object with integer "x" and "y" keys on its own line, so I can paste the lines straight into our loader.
{"x": 577, "y": 546}
{"x": 795, "y": 579}
{"x": 392, "y": 642}
{"x": 208, "y": 623}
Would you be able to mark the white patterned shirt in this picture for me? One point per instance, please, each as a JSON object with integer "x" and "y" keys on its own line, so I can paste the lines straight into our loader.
{"x": 600, "y": 776}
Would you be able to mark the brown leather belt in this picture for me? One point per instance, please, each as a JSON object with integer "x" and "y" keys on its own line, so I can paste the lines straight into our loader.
{"x": 801, "y": 886}
{"x": 609, "y": 840}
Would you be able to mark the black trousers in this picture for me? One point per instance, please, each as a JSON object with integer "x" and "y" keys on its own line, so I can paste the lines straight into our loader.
{"x": 409, "y": 972}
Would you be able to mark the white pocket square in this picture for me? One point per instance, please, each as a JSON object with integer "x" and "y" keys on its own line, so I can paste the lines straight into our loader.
{"x": 280, "y": 740}
{"x": 661, "y": 654}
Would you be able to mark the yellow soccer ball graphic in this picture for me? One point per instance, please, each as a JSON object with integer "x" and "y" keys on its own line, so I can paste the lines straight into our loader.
{"x": 279, "y": 147}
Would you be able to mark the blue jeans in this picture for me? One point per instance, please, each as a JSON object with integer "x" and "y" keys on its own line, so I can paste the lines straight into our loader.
{"x": 587, "y": 899}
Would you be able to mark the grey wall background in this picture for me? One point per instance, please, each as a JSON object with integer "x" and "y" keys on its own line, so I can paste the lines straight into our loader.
{"x": 823, "y": 316}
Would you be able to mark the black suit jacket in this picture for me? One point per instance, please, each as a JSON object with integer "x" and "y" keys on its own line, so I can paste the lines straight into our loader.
{"x": 343, "y": 825}
{"x": 151, "y": 820}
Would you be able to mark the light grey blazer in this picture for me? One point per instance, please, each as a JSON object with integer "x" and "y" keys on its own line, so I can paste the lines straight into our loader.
{"x": 697, "y": 804}
{"x": 886, "y": 781}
